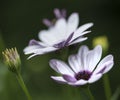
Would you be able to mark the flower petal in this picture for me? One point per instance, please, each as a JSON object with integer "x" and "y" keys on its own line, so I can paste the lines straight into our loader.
{"x": 72, "y": 23}
{"x": 57, "y": 13}
{"x": 94, "y": 78}
{"x": 54, "y": 34}
{"x": 68, "y": 39}
{"x": 81, "y": 29}
{"x": 37, "y": 43}
{"x": 80, "y": 39}
{"x": 61, "y": 67}
{"x": 36, "y": 50}
{"x": 82, "y": 52}
{"x": 93, "y": 57}
{"x": 75, "y": 63}
{"x": 48, "y": 36}
{"x": 80, "y": 82}
{"x": 105, "y": 65}
{"x": 32, "y": 56}
{"x": 69, "y": 78}
{"x": 59, "y": 79}
{"x": 80, "y": 36}
{"x": 33, "y": 45}
{"x": 31, "y": 49}
{"x": 47, "y": 22}
{"x": 61, "y": 26}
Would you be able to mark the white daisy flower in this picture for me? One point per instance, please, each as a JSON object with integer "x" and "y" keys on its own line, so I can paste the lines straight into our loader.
{"x": 63, "y": 33}
{"x": 84, "y": 67}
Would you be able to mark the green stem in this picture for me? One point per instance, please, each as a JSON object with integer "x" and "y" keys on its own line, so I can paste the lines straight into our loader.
{"x": 89, "y": 93}
{"x": 23, "y": 86}
{"x": 107, "y": 88}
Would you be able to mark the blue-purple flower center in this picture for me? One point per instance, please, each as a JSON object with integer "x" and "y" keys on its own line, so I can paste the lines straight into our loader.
{"x": 83, "y": 75}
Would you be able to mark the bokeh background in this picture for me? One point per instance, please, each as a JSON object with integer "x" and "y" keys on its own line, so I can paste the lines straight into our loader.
{"x": 21, "y": 20}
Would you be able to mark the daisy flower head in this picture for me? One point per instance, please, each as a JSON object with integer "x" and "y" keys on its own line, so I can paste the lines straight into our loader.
{"x": 63, "y": 33}
{"x": 84, "y": 67}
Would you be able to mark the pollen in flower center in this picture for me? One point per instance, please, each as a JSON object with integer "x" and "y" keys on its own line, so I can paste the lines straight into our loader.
{"x": 83, "y": 75}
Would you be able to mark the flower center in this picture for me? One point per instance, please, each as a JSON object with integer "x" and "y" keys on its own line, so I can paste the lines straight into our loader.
{"x": 60, "y": 45}
{"x": 83, "y": 75}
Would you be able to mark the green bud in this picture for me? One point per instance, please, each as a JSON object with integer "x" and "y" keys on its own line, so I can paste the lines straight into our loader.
{"x": 103, "y": 41}
{"x": 12, "y": 59}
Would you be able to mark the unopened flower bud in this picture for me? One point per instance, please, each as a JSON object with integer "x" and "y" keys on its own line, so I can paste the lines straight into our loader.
{"x": 12, "y": 59}
{"x": 103, "y": 41}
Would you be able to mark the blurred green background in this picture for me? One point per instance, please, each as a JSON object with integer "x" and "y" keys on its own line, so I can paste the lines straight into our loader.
{"x": 21, "y": 20}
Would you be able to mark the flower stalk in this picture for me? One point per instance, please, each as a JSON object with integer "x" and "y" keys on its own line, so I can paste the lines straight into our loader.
{"x": 12, "y": 60}
{"x": 89, "y": 93}
{"x": 23, "y": 86}
{"x": 107, "y": 88}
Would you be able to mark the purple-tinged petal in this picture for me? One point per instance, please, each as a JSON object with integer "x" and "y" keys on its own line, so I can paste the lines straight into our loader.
{"x": 75, "y": 64}
{"x": 45, "y": 50}
{"x": 37, "y": 43}
{"x": 47, "y": 22}
{"x": 69, "y": 39}
{"x": 83, "y": 33}
{"x": 72, "y": 23}
{"x": 93, "y": 57}
{"x": 109, "y": 67}
{"x": 64, "y": 13}
{"x": 81, "y": 29}
{"x": 48, "y": 36}
{"x": 60, "y": 27}
{"x": 94, "y": 78}
{"x": 74, "y": 39}
{"x": 80, "y": 39}
{"x": 105, "y": 65}
{"x": 33, "y": 42}
{"x": 36, "y": 50}
{"x": 78, "y": 83}
{"x": 102, "y": 70}
{"x": 59, "y": 45}
{"x": 82, "y": 52}
{"x": 63, "y": 43}
{"x": 55, "y": 34}
{"x": 31, "y": 49}
{"x": 61, "y": 67}
{"x": 57, "y": 13}
{"x": 69, "y": 78}
{"x": 59, "y": 79}
{"x": 60, "y": 14}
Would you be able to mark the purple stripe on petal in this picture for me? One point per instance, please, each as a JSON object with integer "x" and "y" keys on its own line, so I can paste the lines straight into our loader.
{"x": 34, "y": 42}
{"x": 68, "y": 39}
{"x": 102, "y": 70}
{"x": 64, "y": 43}
{"x": 60, "y": 45}
{"x": 69, "y": 78}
